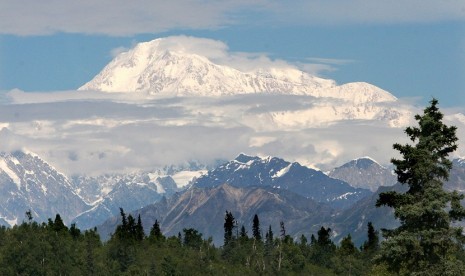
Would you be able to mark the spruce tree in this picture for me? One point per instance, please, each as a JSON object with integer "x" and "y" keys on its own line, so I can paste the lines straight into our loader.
{"x": 243, "y": 233}
{"x": 139, "y": 230}
{"x": 425, "y": 242}
{"x": 229, "y": 224}
{"x": 372, "y": 243}
{"x": 256, "y": 232}
{"x": 155, "y": 232}
{"x": 269, "y": 236}
{"x": 283, "y": 230}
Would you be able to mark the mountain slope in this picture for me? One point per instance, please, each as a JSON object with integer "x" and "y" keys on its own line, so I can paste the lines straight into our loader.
{"x": 364, "y": 173}
{"x": 275, "y": 172}
{"x": 128, "y": 193}
{"x": 28, "y": 182}
{"x": 204, "y": 210}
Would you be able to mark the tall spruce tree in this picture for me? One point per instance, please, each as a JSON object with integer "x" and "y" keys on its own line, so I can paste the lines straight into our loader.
{"x": 256, "y": 232}
{"x": 372, "y": 243}
{"x": 425, "y": 243}
{"x": 229, "y": 224}
{"x": 155, "y": 232}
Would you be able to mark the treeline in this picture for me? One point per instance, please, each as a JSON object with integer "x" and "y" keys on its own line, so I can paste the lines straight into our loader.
{"x": 52, "y": 248}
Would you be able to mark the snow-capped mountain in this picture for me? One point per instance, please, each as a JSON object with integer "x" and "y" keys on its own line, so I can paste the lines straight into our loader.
{"x": 158, "y": 67}
{"x": 246, "y": 171}
{"x": 130, "y": 192}
{"x": 29, "y": 183}
{"x": 364, "y": 173}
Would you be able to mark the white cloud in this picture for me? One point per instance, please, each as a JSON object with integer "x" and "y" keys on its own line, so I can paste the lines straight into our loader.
{"x": 117, "y": 17}
{"x": 116, "y": 51}
{"x": 87, "y": 132}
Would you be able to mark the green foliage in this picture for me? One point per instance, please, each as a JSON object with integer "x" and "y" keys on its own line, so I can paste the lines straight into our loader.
{"x": 425, "y": 242}
{"x": 44, "y": 249}
{"x": 192, "y": 238}
{"x": 155, "y": 232}
{"x": 372, "y": 244}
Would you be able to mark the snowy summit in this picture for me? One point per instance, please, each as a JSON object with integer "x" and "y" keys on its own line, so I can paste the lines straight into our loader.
{"x": 183, "y": 65}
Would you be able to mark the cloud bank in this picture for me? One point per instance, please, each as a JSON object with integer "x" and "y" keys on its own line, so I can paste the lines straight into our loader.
{"x": 122, "y": 18}
{"x": 89, "y": 133}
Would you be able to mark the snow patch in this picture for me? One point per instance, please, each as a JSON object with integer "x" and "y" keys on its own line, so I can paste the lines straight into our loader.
{"x": 183, "y": 178}
{"x": 344, "y": 196}
{"x": 11, "y": 222}
{"x": 4, "y": 167}
{"x": 160, "y": 188}
{"x": 282, "y": 172}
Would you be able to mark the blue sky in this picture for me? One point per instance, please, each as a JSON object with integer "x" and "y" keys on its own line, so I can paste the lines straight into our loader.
{"x": 410, "y": 48}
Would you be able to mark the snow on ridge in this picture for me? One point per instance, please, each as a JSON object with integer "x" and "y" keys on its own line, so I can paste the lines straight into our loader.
{"x": 11, "y": 174}
{"x": 36, "y": 156}
{"x": 344, "y": 196}
{"x": 282, "y": 172}
{"x": 365, "y": 157}
{"x": 183, "y": 178}
{"x": 11, "y": 222}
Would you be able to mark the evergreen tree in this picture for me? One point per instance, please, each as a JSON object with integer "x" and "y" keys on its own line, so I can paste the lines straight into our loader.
{"x": 347, "y": 246}
{"x": 29, "y": 216}
{"x": 269, "y": 236}
{"x": 74, "y": 231}
{"x": 139, "y": 230}
{"x": 283, "y": 230}
{"x": 324, "y": 237}
{"x": 312, "y": 240}
{"x": 323, "y": 248}
{"x": 372, "y": 243}
{"x": 256, "y": 232}
{"x": 192, "y": 238}
{"x": 131, "y": 228}
{"x": 425, "y": 242}
{"x": 243, "y": 233}
{"x": 268, "y": 241}
{"x": 124, "y": 222}
{"x": 155, "y": 232}
{"x": 229, "y": 224}
{"x": 58, "y": 224}
{"x": 303, "y": 240}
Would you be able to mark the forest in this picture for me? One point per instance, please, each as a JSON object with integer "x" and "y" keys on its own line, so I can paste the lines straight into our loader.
{"x": 52, "y": 248}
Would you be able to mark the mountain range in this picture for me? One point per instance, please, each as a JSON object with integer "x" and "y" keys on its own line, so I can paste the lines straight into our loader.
{"x": 274, "y": 172}
{"x": 203, "y": 208}
{"x": 28, "y": 182}
{"x": 275, "y": 189}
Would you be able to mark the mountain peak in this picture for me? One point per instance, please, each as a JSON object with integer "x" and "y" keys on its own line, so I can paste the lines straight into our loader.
{"x": 244, "y": 158}
{"x": 363, "y": 162}
{"x": 364, "y": 172}
{"x": 182, "y": 65}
